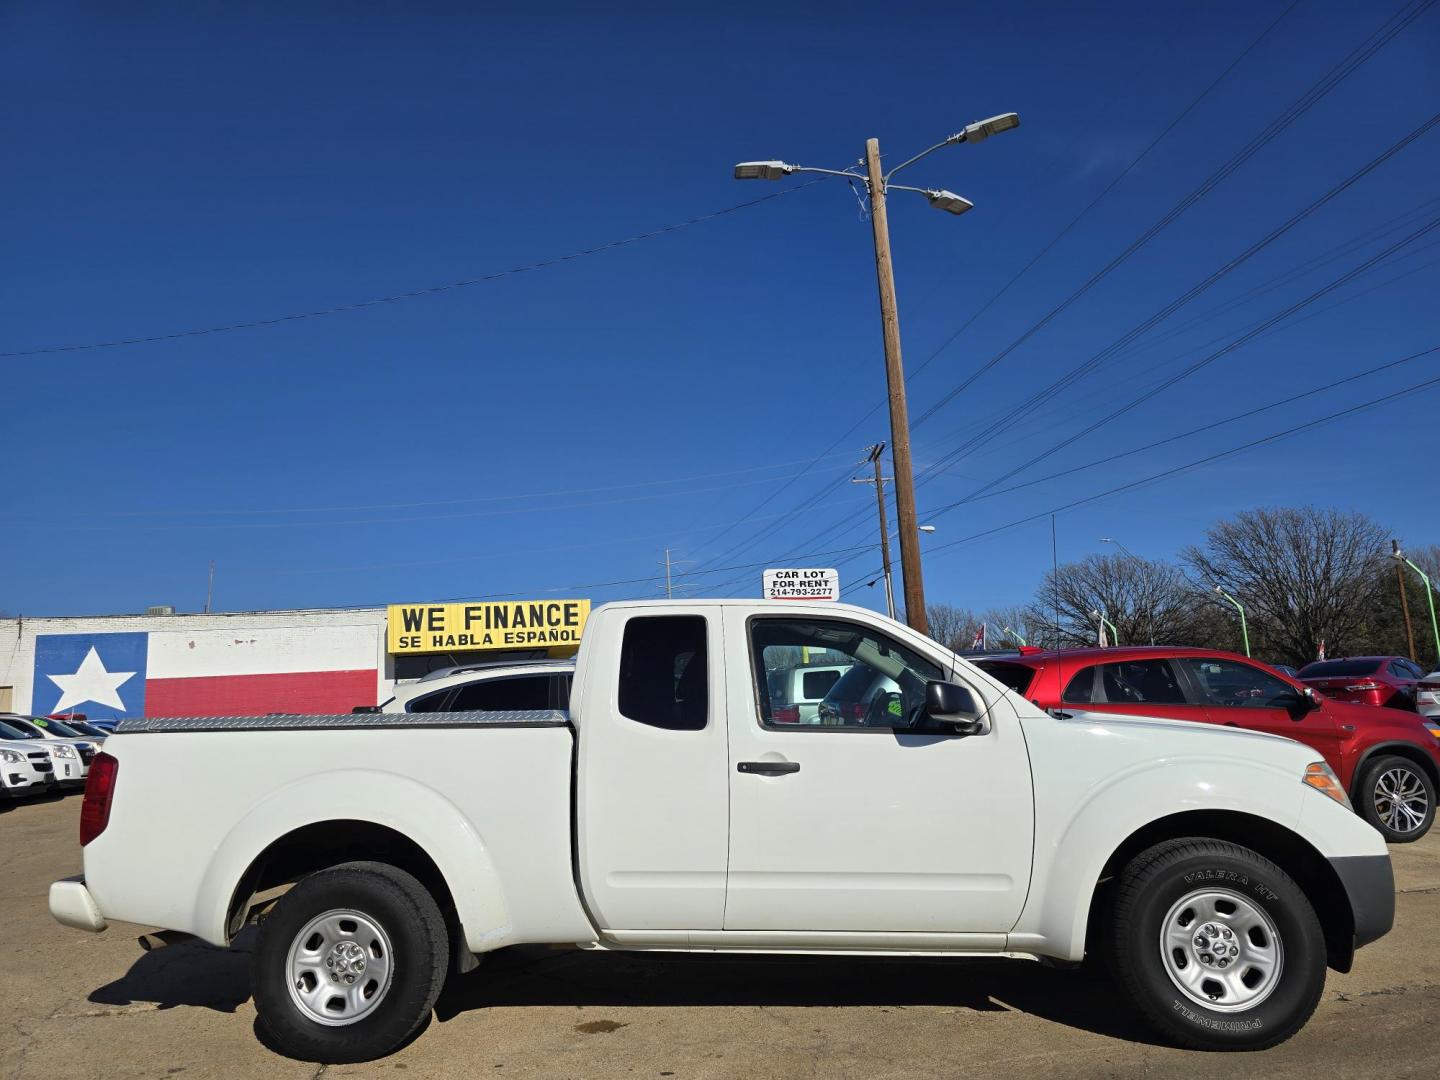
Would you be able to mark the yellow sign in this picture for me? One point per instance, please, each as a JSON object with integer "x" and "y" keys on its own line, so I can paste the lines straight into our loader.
{"x": 521, "y": 624}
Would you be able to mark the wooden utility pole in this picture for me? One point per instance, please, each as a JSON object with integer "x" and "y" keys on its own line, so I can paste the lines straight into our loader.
{"x": 1404, "y": 600}
{"x": 879, "y": 482}
{"x": 899, "y": 413}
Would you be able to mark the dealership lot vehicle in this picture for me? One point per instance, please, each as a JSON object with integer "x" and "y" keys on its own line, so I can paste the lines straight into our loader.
{"x": 1219, "y": 870}
{"x": 796, "y": 693}
{"x": 1427, "y": 701}
{"x": 488, "y": 687}
{"x": 1365, "y": 680}
{"x": 71, "y": 752}
{"x": 1388, "y": 761}
{"x": 26, "y": 767}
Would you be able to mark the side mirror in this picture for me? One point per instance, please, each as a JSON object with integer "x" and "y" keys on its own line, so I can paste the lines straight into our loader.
{"x": 951, "y": 708}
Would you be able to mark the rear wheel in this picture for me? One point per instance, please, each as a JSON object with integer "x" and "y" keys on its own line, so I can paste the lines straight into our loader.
{"x": 1397, "y": 797}
{"x": 1217, "y": 947}
{"x": 349, "y": 964}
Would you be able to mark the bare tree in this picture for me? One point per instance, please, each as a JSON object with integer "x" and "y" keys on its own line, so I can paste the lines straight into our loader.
{"x": 1148, "y": 602}
{"x": 953, "y": 627}
{"x": 1303, "y": 574}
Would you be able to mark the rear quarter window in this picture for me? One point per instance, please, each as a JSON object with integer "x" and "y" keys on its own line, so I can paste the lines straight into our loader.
{"x": 816, "y": 684}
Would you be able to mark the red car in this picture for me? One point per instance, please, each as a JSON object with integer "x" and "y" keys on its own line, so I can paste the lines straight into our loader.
{"x": 1365, "y": 680}
{"x": 1388, "y": 760}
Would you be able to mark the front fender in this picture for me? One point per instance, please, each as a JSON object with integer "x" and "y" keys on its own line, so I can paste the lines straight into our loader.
{"x": 382, "y": 798}
{"x": 1072, "y": 850}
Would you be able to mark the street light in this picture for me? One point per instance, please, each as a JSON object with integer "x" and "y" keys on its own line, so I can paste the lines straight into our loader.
{"x": 878, "y": 184}
{"x": 1131, "y": 555}
{"x": 926, "y": 528}
{"x": 762, "y": 170}
{"x": 949, "y": 202}
{"x": 1429, "y": 597}
{"x": 1244, "y": 632}
{"x": 1104, "y": 622}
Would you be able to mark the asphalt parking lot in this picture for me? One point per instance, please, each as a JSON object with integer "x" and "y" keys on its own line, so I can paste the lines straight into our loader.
{"x": 81, "y": 1005}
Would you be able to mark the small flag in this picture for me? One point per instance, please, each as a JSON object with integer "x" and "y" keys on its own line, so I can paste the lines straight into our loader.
{"x": 980, "y": 638}
{"x": 1321, "y": 654}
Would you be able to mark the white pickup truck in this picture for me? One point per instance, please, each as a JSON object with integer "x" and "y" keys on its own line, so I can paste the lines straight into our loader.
{"x": 1218, "y": 871}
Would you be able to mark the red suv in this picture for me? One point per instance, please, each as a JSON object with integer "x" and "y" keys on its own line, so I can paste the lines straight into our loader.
{"x": 1387, "y": 759}
{"x": 1365, "y": 680}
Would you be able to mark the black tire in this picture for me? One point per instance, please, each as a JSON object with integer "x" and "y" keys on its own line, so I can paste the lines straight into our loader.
{"x": 1158, "y": 882}
{"x": 419, "y": 951}
{"x": 1373, "y": 802}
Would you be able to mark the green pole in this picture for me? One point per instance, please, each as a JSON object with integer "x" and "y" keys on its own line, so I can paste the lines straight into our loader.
{"x": 1244, "y": 632}
{"x": 1430, "y": 598}
{"x": 1016, "y": 635}
{"x": 1114, "y": 631}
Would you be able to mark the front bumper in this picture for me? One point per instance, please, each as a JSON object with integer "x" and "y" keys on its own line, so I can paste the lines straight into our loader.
{"x": 17, "y": 781}
{"x": 72, "y": 905}
{"x": 1369, "y": 883}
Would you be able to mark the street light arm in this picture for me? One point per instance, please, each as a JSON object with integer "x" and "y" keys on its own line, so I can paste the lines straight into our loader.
{"x": 829, "y": 172}
{"x": 951, "y": 141}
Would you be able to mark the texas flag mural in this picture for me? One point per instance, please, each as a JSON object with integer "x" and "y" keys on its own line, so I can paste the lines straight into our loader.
{"x": 206, "y": 672}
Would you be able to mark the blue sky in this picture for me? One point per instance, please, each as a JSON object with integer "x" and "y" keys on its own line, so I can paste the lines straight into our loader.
{"x": 173, "y": 167}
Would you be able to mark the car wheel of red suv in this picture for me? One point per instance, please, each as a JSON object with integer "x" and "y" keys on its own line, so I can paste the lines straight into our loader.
{"x": 1397, "y": 797}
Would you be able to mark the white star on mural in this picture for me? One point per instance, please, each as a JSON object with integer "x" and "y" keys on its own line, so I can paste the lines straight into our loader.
{"x": 91, "y": 682}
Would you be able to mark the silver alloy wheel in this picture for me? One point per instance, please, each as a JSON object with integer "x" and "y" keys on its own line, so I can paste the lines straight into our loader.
{"x": 1401, "y": 801}
{"x": 1221, "y": 950}
{"x": 339, "y": 967}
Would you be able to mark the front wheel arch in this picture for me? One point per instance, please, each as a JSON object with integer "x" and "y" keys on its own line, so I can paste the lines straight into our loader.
{"x": 1409, "y": 751}
{"x": 1291, "y": 852}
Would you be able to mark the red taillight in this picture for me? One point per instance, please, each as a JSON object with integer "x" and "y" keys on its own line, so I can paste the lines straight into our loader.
{"x": 99, "y": 790}
{"x": 786, "y": 714}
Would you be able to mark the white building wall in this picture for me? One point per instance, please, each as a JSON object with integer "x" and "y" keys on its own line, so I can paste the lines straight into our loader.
{"x": 236, "y": 643}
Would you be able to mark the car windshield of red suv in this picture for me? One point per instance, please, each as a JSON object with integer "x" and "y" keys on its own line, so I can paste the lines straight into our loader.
{"x": 1323, "y": 668}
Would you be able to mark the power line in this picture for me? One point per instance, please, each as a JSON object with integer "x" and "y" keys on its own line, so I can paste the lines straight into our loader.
{"x": 1199, "y": 462}
{"x": 1205, "y": 361}
{"x": 1336, "y": 75}
{"x": 1297, "y": 108}
{"x": 412, "y": 294}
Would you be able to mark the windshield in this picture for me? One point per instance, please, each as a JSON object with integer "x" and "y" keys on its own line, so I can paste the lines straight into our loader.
{"x": 11, "y": 730}
{"x": 1322, "y": 668}
{"x": 87, "y": 729}
{"x": 55, "y": 727}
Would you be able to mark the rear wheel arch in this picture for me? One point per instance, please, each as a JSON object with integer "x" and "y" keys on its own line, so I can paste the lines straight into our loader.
{"x": 1288, "y": 850}
{"x": 322, "y": 845}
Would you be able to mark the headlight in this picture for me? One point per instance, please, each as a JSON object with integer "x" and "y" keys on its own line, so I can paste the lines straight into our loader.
{"x": 11, "y": 757}
{"x": 61, "y": 751}
{"x": 1319, "y": 776}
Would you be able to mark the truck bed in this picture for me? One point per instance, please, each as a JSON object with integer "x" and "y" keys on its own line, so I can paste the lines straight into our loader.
{"x": 199, "y": 799}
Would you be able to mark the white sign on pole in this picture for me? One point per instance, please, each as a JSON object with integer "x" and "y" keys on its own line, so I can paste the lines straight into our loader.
{"x": 802, "y": 584}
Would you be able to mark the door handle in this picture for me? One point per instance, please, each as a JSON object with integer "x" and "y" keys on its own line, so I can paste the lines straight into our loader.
{"x": 768, "y": 768}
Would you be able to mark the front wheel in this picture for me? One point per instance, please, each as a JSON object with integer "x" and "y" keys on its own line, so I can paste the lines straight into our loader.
{"x": 349, "y": 964}
{"x": 1217, "y": 947}
{"x": 1397, "y": 797}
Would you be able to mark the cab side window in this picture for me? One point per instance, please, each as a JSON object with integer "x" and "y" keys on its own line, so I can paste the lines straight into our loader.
{"x": 1231, "y": 684}
{"x": 880, "y": 683}
{"x": 503, "y": 695}
{"x": 1138, "y": 682}
{"x": 663, "y": 678}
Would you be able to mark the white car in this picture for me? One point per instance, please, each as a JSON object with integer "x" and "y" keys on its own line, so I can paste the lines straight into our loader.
{"x": 1220, "y": 871}
{"x": 26, "y": 767}
{"x": 796, "y": 692}
{"x": 488, "y": 687}
{"x": 70, "y": 751}
{"x": 1427, "y": 701}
